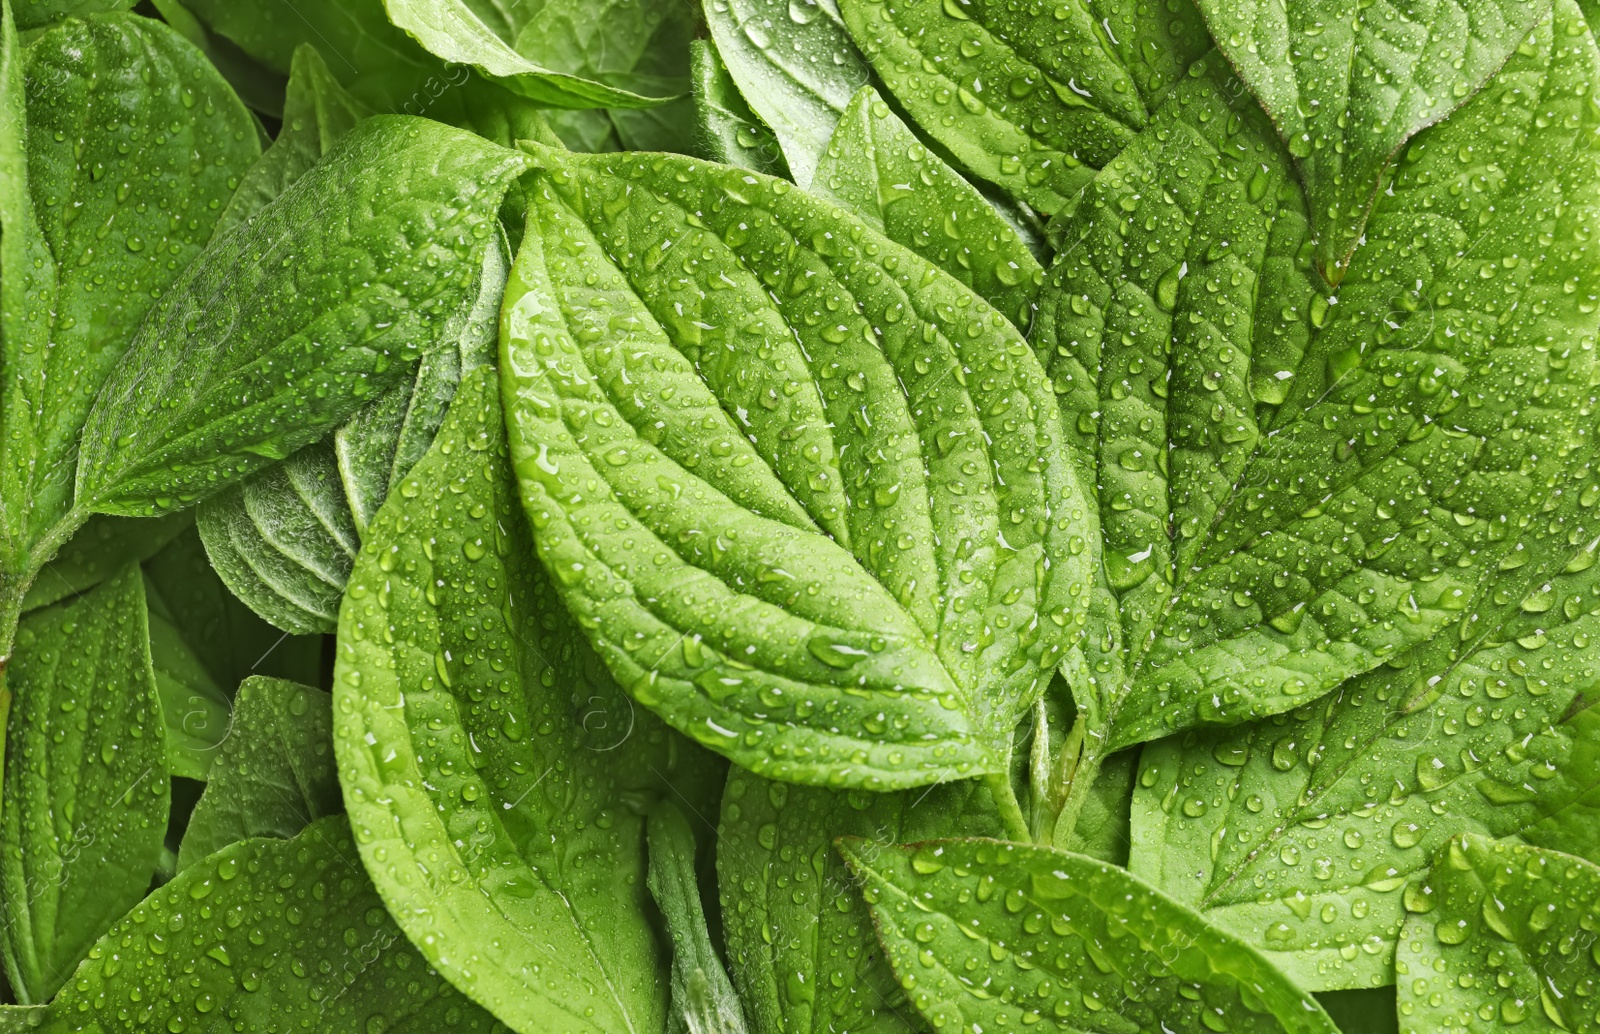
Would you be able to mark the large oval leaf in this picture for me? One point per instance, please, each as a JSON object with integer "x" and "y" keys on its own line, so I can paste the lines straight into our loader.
{"x": 838, "y": 540}
{"x": 493, "y": 773}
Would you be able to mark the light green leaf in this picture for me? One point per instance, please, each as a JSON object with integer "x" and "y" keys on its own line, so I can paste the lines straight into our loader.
{"x": 729, "y": 132}
{"x": 702, "y": 1001}
{"x": 799, "y": 936}
{"x": 229, "y": 640}
{"x": 33, "y": 13}
{"x": 1501, "y": 937}
{"x": 273, "y": 774}
{"x": 526, "y": 815}
{"x": 988, "y": 935}
{"x": 97, "y": 551}
{"x": 1295, "y": 488}
{"x": 876, "y": 168}
{"x": 315, "y": 952}
{"x": 1032, "y": 99}
{"x": 452, "y": 30}
{"x": 247, "y": 359}
{"x": 86, "y": 256}
{"x": 86, "y": 783}
{"x": 796, "y": 67}
{"x": 317, "y": 112}
{"x": 1348, "y": 86}
{"x": 839, "y": 542}
{"x": 193, "y": 706}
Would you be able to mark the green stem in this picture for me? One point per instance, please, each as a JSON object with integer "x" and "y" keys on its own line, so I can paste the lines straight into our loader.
{"x": 1083, "y": 774}
{"x": 1005, "y": 798}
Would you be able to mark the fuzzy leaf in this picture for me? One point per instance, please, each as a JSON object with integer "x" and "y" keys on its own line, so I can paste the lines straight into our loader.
{"x": 86, "y": 786}
{"x": 729, "y": 132}
{"x": 988, "y": 935}
{"x": 1348, "y": 86}
{"x": 539, "y": 907}
{"x": 1501, "y": 934}
{"x": 248, "y": 358}
{"x": 866, "y": 579}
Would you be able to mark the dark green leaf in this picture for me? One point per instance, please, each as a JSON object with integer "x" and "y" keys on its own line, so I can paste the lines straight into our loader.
{"x": 1500, "y": 936}
{"x": 524, "y": 813}
{"x": 257, "y": 85}
{"x": 796, "y": 67}
{"x": 248, "y": 359}
{"x": 86, "y": 783}
{"x": 987, "y": 935}
{"x": 87, "y": 255}
{"x": 97, "y": 551}
{"x": 876, "y": 168}
{"x": 453, "y": 31}
{"x": 229, "y": 640}
{"x": 800, "y": 939}
{"x": 1368, "y": 1011}
{"x": 1348, "y": 86}
{"x": 729, "y": 131}
{"x": 264, "y": 935}
{"x": 273, "y": 774}
{"x": 791, "y": 547}
{"x": 702, "y": 1000}
{"x": 193, "y": 705}
{"x": 1030, "y": 98}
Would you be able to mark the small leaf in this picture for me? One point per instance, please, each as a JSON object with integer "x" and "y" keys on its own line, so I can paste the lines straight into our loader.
{"x": 86, "y": 785}
{"x": 876, "y": 168}
{"x": 217, "y": 947}
{"x": 193, "y": 706}
{"x": 520, "y": 809}
{"x": 990, "y": 935}
{"x": 835, "y": 539}
{"x": 1347, "y": 87}
{"x": 1503, "y": 934}
{"x": 729, "y": 132}
{"x": 703, "y": 1001}
{"x": 281, "y": 329}
{"x": 273, "y": 774}
{"x": 796, "y": 67}
{"x": 1032, "y": 99}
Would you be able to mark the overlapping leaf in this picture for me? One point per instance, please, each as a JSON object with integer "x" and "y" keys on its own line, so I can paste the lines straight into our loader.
{"x": 729, "y": 132}
{"x": 1501, "y": 935}
{"x": 838, "y": 539}
{"x": 491, "y": 769}
{"x": 799, "y": 937}
{"x": 986, "y": 935}
{"x": 86, "y": 783}
{"x": 1348, "y": 86}
{"x": 703, "y": 1001}
{"x": 1034, "y": 96}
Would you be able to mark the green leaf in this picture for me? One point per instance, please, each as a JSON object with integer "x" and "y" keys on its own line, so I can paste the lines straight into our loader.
{"x": 193, "y": 706}
{"x": 453, "y": 31}
{"x": 273, "y": 774}
{"x": 86, "y": 783}
{"x": 729, "y": 132}
{"x": 703, "y": 1001}
{"x": 257, "y": 85}
{"x": 32, "y": 13}
{"x": 876, "y": 168}
{"x": 229, "y": 640}
{"x": 246, "y": 360}
{"x": 317, "y": 112}
{"x": 796, "y": 67}
{"x": 1102, "y": 829}
{"x": 989, "y": 935}
{"x": 526, "y": 814}
{"x": 799, "y": 936}
{"x": 86, "y": 256}
{"x": 316, "y": 951}
{"x": 814, "y": 590}
{"x": 1501, "y": 934}
{"x": 1032, "y": 99}
{"x": 1368, "y": 1011}
{"x": 1347, "y": 87}
{"x": 1295, "y": 488}
{"x": 97, "y": 551}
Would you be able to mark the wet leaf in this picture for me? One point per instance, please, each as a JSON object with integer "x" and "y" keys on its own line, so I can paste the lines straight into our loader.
{"x": 728, "y": 131}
